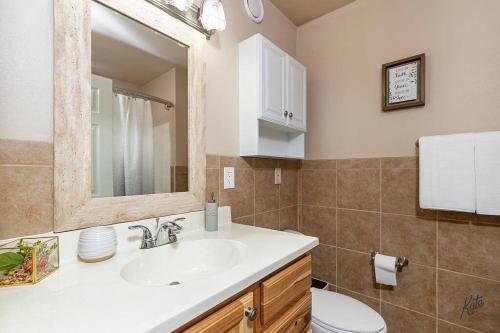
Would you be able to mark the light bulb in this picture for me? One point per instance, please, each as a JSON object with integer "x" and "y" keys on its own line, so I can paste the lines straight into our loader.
{"x": 212, "y": 15}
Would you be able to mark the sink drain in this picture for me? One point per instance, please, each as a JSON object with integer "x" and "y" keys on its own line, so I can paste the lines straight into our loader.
{"x": 174, "y": 283}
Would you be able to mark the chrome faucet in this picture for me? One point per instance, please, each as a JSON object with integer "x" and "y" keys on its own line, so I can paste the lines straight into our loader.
{"x": 170, "y": 227}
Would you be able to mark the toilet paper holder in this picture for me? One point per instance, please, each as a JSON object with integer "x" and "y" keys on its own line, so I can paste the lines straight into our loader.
{"x": 400, "y": 261}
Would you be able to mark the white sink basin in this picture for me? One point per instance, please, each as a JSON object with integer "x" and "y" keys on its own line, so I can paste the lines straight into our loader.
{"x": 183, "y": 262}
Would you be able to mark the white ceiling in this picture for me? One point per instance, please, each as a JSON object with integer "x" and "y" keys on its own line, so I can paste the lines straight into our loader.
{"x": 302, "y": 11}
{"x": 125, "y": 50}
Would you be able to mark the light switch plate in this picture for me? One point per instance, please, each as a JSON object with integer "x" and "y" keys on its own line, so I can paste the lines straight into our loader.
{"x": 229, "y": 177}
{"x": 277, "y": 176}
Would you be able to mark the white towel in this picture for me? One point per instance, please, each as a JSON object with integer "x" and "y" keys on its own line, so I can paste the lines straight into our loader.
{"x": 447, "y": 173}
{"x": 488, "y": 173}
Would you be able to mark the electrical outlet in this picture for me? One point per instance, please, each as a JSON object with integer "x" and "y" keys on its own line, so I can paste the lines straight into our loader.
{"x": 277, "y": 176}
{"x": 229, "y": 177}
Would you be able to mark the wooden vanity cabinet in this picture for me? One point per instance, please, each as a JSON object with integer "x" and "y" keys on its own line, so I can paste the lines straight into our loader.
{"x": 280, "y": 303}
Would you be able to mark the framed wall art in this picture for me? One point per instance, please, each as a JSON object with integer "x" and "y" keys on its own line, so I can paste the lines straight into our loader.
{"x": 403, "y": 83}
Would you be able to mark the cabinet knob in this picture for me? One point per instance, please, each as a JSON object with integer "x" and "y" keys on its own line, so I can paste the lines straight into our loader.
{"x": 290, "y": 115}
{"x": 285, "y": 113}
{"x": 251, "y": 313}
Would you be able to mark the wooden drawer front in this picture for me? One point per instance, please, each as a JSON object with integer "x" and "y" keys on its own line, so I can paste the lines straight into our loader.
{"x": 296, "y": 320}
{"x": 284, "y": 288}
{"x": 228, "y": 319}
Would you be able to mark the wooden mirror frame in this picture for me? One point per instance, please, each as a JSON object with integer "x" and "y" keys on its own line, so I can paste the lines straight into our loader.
{"x": 74, "y": 208}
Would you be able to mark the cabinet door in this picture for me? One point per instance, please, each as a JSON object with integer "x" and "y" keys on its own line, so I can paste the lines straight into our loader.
{"x": 297, "y": 319}
{"x": 229, "y": 319}
{"x": 283, "y": 289}
{"x": 296, "y": 94}
{"x": 273, "y": 83}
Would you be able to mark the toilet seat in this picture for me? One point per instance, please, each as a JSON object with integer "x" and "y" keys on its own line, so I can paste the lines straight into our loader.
{"x": 334, "y": 312}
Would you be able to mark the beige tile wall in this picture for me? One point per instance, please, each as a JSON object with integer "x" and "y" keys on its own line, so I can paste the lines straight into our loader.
{"x": 26, "y": 188}
{"x": 256, "y": 200}
{"x": 353, "y": 206}
{"x": 358, "y": 205}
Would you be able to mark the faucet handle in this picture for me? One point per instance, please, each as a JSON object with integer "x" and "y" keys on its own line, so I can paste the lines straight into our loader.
{"x": 147, "y": 237}
{"x": 178, "y": 220}
{"x": 173, "y": 225}
{"x": 145, "y": 230}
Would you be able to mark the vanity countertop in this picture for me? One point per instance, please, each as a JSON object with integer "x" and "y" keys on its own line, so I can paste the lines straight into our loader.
{"x": 82, "y": 297}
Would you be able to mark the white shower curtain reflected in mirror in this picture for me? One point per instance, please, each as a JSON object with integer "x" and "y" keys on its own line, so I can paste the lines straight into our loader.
{"x": 133, "y": 162}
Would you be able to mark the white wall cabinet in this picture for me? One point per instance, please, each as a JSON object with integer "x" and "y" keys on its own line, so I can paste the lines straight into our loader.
{"x": 272, "y": 100}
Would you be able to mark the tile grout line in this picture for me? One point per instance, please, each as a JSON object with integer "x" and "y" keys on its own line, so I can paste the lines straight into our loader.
{"x": 336, "y": 225}
{"x": 279, "y": 210}
{"x": 254, "y": 194}
{"x": 361, "y": 294}
{"x": 242, "y": 217}
{"x": 407, "y": 309}
{"x": 468, "y": 275}
{"x": 399, "y": 214}
{"x": 272, "y": 210}
{"x": 390, "y": 303}
{"x": 279, "y": 191}
{"x": 458, "y": 325}
{"x": 26, "y": 165}
{"x": 416, "y": 264}
{"x": 299, "y": 196}
{"x": 299, "y": 213}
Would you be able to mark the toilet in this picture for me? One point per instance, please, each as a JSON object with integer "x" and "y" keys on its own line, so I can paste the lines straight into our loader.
{"x": 337, "y": 313}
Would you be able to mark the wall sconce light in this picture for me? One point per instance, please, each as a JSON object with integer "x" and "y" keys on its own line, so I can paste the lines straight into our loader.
{"x": 212, "y": 16}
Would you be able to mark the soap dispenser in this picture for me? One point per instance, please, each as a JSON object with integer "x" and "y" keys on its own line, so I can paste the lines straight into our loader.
{"x": 211, "y": 215}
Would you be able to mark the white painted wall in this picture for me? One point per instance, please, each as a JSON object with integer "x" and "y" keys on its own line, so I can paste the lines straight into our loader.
{"x": 26, "y": 94}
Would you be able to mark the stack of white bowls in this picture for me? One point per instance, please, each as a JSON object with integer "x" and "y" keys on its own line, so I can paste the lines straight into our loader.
{"x": 97, "y": 244}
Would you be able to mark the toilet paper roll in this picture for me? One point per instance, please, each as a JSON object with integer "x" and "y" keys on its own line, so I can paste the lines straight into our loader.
{"x": 385, "y": 269}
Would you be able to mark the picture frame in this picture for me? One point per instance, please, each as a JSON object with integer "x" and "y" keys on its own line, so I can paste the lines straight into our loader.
{"x": 403, "y": 83}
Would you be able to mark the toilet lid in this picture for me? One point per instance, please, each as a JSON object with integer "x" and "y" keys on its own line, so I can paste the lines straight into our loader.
{"x": 337, "y": 312}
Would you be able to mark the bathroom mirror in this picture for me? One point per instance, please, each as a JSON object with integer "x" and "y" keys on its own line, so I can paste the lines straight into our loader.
{"x": 139, "y": 99}
{"x": 129, "y": 118}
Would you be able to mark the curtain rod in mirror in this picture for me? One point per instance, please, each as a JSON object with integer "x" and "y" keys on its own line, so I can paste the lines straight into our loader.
{"x": 190, "y": 17}
{"x": 151, "y": 98}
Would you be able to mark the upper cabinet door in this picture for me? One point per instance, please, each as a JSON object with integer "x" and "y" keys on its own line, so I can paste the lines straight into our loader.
{"x": 273, "y": 83}
{"x": 296, "y": 94}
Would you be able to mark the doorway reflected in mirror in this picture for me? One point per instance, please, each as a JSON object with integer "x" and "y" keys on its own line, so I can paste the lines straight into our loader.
{"x": 139, "y": 108}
